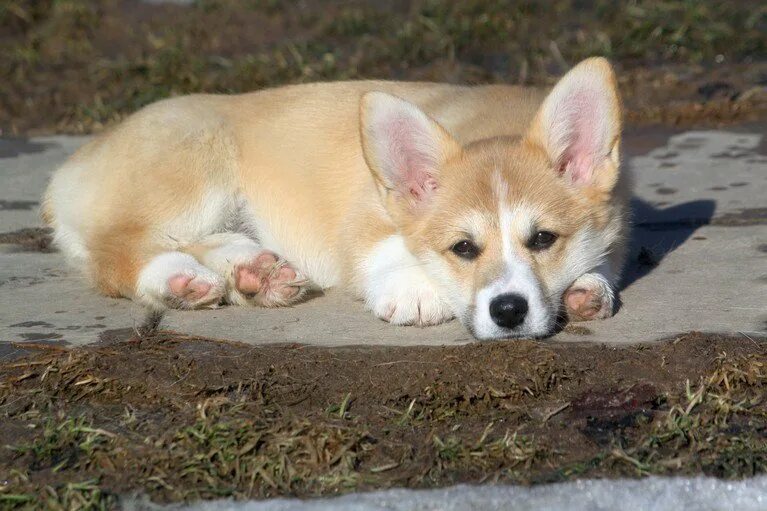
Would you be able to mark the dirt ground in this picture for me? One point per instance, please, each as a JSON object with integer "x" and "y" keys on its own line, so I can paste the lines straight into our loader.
{"x": 185, "y": 418}
{"x": 78, "y": 66}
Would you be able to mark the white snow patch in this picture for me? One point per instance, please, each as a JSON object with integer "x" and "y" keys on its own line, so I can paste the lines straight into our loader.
{"x": 650, "y": 494}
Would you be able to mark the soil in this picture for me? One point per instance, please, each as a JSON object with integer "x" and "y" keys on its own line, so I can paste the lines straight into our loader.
{"x": 30, "y": 239}
{"x": 81, "y": 66}
{"x": 182, "y": 418}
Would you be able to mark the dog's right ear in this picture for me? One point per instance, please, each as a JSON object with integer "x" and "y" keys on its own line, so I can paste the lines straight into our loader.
{"x": 403, "y": 146}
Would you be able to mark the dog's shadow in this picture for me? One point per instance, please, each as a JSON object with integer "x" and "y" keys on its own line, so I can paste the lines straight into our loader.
{"x": 657, "y": 232}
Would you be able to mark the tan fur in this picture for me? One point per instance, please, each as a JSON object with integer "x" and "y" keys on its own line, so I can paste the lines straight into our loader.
{"x": 563, "y": 210}
{"x": 117, "y": 258}
{"x": 294, "y": 155}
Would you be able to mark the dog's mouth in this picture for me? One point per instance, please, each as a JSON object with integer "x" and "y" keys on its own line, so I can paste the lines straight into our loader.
{"x": 546, "y": 324}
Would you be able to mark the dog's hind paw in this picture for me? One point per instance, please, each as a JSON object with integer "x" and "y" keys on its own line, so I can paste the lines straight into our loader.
{"x": 269, "y": 281}
{"x": 177, "y": 281}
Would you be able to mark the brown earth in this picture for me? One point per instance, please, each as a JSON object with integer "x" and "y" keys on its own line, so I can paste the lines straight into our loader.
{"x": 77, "y": 66}
{"x": 184, "y": 418}
{"x": 30, "y": 239}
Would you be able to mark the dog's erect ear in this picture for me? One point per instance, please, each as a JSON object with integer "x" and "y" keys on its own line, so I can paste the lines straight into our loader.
{"x": 403, "y": 146}
{"x": 579, "y": 126}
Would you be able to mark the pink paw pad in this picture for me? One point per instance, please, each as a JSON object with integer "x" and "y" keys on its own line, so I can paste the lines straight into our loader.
{"x": 268, "y": 279}
{"x": 583, "y": 304}
{"x": 191, "y": 291}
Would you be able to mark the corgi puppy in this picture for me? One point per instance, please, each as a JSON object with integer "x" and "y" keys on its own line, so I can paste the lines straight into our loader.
{"x": 498, "y": 205}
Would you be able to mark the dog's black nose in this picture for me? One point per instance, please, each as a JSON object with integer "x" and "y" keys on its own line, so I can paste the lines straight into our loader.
{"x": 508, "y": 311}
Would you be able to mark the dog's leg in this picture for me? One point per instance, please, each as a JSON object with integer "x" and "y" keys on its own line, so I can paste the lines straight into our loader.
{"x": 126, "y": 260}
{"x": 253, "y": 275}
{"x": 592, "y": 295}
{"x": 396, "y": 289}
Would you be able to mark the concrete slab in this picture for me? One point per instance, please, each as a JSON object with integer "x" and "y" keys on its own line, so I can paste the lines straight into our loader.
{"x": 25, "y": 166}
{"x": 698, "y": 259}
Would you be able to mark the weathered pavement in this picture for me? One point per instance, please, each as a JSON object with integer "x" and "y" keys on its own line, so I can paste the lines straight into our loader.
{"x": 698, "y": 259}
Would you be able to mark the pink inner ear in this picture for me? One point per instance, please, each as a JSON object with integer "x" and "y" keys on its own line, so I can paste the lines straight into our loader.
{"x": 422, "y": 190}
{"x": 411, "y": 151}
{"x": 578, "y": 168}
{"x": 582, "y": 135}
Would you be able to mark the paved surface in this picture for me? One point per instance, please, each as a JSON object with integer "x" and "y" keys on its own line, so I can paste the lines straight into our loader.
{"x": 701, "y": 214}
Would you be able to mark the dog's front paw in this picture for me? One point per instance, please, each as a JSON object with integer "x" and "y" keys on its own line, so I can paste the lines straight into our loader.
{"x": 590, "y": 297}
{"x": 408, "y": 298}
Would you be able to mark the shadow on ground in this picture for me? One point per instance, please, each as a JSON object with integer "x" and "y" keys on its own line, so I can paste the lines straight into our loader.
{"x": 659, "y": 231}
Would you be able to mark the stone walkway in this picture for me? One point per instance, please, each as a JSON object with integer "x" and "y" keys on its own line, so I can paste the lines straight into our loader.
{"x": 698, "y": 259}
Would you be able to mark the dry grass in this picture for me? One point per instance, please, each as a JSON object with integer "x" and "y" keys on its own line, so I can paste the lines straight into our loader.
{"x": 712, "y": 427}
{"x": 85, "y": 426}
{"x": 78, "y": 65}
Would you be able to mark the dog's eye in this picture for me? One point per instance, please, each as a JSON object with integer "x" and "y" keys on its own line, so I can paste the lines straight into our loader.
{"x": 542, "y": 240}
{"x": 465, "y": 249}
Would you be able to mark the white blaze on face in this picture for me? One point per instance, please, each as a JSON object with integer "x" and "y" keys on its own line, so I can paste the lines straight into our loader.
{"x": 517, "y": 222}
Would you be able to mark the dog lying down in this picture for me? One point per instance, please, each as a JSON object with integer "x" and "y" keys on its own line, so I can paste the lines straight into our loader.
{"x": 499, "y": 205}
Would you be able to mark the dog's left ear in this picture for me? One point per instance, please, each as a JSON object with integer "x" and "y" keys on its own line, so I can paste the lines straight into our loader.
{"x": 403, "y": 146}
{"x": 579, "y": 126}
